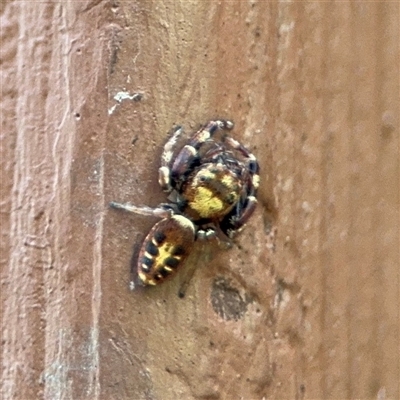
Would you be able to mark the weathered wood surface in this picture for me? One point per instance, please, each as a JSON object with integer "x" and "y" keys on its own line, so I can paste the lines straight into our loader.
{"x": 306, "y": 306}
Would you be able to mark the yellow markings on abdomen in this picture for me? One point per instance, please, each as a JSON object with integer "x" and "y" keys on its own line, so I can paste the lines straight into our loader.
{"x": 156, "y": 267}
{"x": 165, "y": 251}
{"x": 145, "y": 279}
{"x": 168, "y": 258}
{"x": 165, "y": 248}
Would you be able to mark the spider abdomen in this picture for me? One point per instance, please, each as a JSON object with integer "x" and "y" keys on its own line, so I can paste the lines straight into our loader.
{"x": 165, "y": 248}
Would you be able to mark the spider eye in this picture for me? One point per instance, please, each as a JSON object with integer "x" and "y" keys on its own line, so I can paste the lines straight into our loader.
{"x": 231, "y": 198}
{"x": 203, "y": 178}
{"x": 253, "y": 167}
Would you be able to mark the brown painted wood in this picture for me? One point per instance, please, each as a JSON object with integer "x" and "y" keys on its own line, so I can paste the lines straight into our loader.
{"x": 306, "y": 306}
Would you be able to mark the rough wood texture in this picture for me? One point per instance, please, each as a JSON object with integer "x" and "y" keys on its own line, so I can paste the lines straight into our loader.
{"x": 306, "y": 306}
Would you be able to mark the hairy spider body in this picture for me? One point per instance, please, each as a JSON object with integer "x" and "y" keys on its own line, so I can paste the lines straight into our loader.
{"x": 214, "y": 185}
{"x": 211, "y": 192}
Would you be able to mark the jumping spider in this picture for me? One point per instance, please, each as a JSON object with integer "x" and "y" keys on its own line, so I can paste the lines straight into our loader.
{"x": 212, "y": 186}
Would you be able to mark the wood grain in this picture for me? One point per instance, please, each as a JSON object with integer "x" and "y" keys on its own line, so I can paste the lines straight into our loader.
{"x": 306, "y": 305}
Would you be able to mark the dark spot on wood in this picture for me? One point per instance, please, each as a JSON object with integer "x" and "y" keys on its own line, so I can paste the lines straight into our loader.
{"x": 227, "y": 301}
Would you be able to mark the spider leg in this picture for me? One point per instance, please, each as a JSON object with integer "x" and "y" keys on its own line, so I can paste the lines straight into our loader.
{"x": 162, "y": 211}
{"x": 234, "y": 222}
{"x": 251, "y": 164}
{"x": 164, "y": 172}
{"x": 189, "y": 155}
{"x": 134, "y": 282}
{"x": 238, "y": 217}
{"x": 202, "y": 253}
{"x": 208, "y": 131}
{"x": 206, "y": 234}
{"x": 183, "y": 164}
{"x": 211, "y": 233}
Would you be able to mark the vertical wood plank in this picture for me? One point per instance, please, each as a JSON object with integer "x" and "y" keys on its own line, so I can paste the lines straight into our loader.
{"x": 305, "y": 305}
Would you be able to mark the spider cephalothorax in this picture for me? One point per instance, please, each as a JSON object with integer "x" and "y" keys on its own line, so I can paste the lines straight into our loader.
{"x": 212, "y": 185}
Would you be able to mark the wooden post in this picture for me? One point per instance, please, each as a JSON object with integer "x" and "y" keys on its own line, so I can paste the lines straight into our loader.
{"x": 306, "y": 304}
